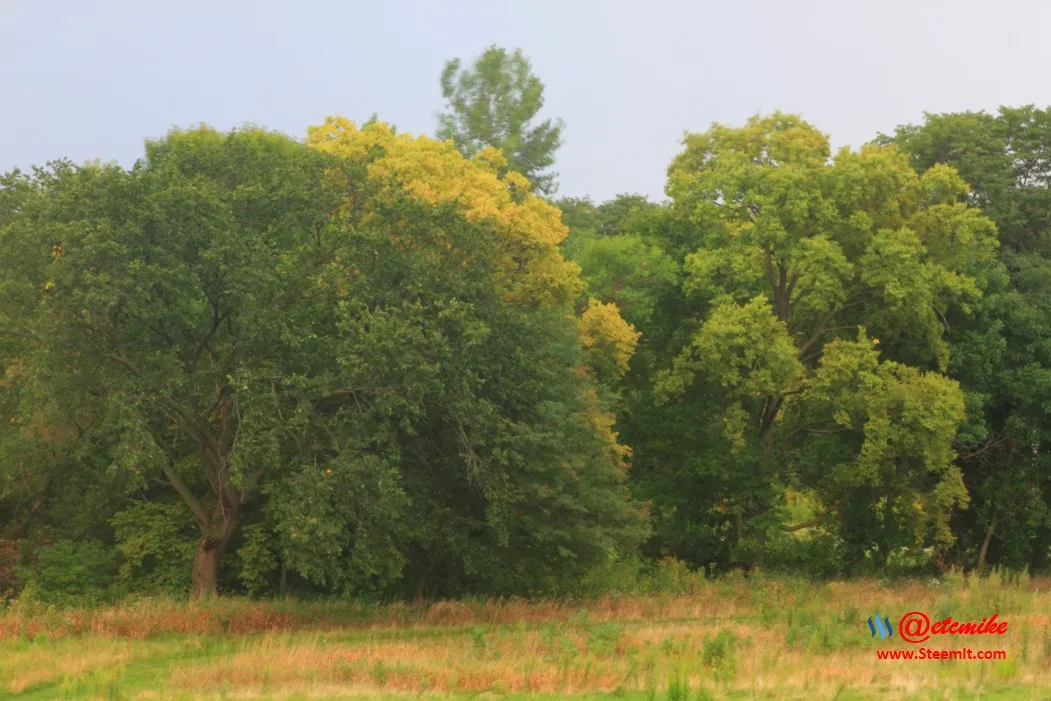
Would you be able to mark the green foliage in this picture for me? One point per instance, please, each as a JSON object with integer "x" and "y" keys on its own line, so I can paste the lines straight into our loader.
{"x": 362, "y": 365}
{"x": 259, "y": 561}
{"x": 719, "y": 653}
{"x": 272, "y": 332}
{"x": 617, "y": 575}
{"x": 626, "y": 271}
{"x": 157, "y": 546}
{"x": 669, "y": 576}
{"x": 785, "y": 252}
{"x": 492, "y": 104}
{"x": 678, "y": 687}
{"x": 603, "y": 638}
{"x": 816, "y": 554}
{"x": 624, "y": 214}
{"x": 631, "y": 575}
{"x": 1000, "y": 356}
{"x": 71, "y": 573}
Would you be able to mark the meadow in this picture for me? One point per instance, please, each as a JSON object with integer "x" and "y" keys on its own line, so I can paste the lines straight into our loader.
{"x": 731, "y": 638}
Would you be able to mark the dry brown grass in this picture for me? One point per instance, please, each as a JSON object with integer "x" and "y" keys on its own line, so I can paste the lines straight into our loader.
{"x": 830, "y": 648}
{"x": 148, "y": 619}
{"x": 791, "y": 640}
{"x": 764, "y": 663}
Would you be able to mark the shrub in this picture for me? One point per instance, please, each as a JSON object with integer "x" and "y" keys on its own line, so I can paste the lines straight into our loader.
{"x": 719, "y": 654}
{"x": 70, "y": 573}
{"x": 258, "y": 559}
{"x": 905, "y": 561}
{"x": 671, "y": 576}
{"x": 616, "y": 576}
{"x": 678, "y": 687}
{"x": 815, "y": 554}
{"x": 157, "y": 541}
{"x": 603, "y": 638}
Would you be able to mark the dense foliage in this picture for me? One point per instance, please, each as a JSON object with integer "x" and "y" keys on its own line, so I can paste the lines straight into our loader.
{"x": 375, "y": 364}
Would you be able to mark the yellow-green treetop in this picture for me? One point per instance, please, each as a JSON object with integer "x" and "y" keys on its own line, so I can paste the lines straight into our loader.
{"x": 435, "y": 172}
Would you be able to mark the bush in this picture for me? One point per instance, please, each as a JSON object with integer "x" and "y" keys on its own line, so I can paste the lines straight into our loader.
{"x": 906, "y": 561}
{"x": 719, "y": 654}
{"x": 815, "y": 554}
{"x": 672, "y": 576}
{"x": 617, "y": 576}
{"x": 158, "y": 542}
{"x": 629, "y": 575}
{"x": 258, "y": 559}
{"x": 70, "y": 573}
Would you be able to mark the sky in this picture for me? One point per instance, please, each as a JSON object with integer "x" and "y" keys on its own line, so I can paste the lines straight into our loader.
{"x": 87, "y": 80}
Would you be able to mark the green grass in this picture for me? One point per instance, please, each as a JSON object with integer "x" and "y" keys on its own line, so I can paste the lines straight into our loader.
{"x": 730, "y": 639}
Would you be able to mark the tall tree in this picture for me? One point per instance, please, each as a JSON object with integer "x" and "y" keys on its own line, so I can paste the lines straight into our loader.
{"x": 797, "y": 250}
{"x": 786, "y": 256}
{"x": 493, "y": 103}
{"x": 148, "y": 299}
{"x": 319, "y": 340}
{"x": 514, "y": 473}
{"x": 1001, "y": 354}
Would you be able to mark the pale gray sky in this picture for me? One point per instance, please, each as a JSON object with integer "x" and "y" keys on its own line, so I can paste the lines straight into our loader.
{"x": 88, "y": 80}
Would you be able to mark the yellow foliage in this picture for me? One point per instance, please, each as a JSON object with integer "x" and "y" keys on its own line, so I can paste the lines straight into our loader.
{"x": 532, "y": 268}
{"x": 602, "y": 422}
{"x": 605, "y": 334}
{"x": 436, "y": 173}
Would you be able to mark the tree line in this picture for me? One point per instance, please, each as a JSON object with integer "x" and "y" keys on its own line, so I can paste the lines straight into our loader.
{"x": 367, "y": 363}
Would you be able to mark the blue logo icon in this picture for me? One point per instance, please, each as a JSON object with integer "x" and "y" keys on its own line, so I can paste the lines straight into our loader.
{"x": 882, "y": 625}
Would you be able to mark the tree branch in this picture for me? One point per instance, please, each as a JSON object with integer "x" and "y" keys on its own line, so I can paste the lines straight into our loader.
{"x": 124, "y": 361}
{"x": 206, "y": 342}
{"x": 200, "y": 515}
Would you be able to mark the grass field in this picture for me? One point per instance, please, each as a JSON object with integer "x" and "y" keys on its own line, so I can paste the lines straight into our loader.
{"x": 726, "y": 639}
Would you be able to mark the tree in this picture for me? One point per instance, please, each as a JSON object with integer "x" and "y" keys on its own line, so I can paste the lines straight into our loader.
{"x": 607, "y": 219}
{"x": 1000, "y": 354}
{"x": 152, "y": 316}
{"x": 797, "y": 251}
{"x": 627, "y": 271}
{"x": 1005, "y": 158}
{"x": 512, "y": 466}
{"x": 785, "y": 255}
{"x": 492, "y": 104}
{"x": 319, "y": 340}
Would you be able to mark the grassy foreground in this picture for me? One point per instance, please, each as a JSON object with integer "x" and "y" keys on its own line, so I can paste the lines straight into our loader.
{"x": 728, "y": 639}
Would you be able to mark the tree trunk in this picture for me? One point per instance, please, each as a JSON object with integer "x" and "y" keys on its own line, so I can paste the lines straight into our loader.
{"x": 205, "y": 574}
{"x": 432, "y": 563}
{"x": 985, "y": 545}
{"x": 421, "y": 586}
{"x": 214, "y": 444}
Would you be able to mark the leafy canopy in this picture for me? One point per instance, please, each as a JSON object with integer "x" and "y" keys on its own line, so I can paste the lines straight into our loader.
{"x": 792, "y": 249}
{"x": 363, "y": 347}
{"x": 493, "y": 104}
